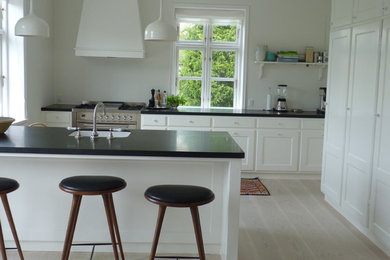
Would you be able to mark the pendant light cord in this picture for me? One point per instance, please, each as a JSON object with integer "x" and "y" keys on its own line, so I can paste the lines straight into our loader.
{"x": 31, "y": 7}
{"x": 161, "y": 7}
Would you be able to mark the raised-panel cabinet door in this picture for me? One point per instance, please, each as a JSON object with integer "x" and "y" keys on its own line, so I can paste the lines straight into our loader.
{"x": 57, "y": 118}
{"x": 341, "y": 12}
{"x": 367, "y": 9}
{"x": 336, "y": 114}
{"x": 311, "y": 150}
{"x": 361, "y": 120}
{"x": 246, "y": 140}
{"x": 277, "y": 150}
{"x": 381, "y": 188}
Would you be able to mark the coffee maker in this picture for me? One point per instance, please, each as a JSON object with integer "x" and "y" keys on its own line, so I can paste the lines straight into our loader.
{"x": 281, "y": 103}
{"x": 322, "y": 107}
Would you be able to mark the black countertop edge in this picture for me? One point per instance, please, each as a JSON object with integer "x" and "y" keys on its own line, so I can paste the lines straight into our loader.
{"x": 59, "y": 107}
{"x": 239, "y": 113}
{"x": 123, "y": 153}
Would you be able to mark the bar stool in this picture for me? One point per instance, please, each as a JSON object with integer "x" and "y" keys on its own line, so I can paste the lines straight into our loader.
{"x": 93, "y": 185}
{"x": 180, "y": 196}
{"x": 7, "y": 186}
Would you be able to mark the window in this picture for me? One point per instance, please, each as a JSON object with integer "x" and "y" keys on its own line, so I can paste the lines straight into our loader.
{"x": 209, "y": 57}
{"x": 12, "y": 100}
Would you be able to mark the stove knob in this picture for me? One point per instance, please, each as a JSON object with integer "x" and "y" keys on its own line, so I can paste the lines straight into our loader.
{"x": 130, "y": 118}
{"x": 112, "y": 117}
{"x": 100, "y": 117}
{"x": 118, "y": 117}
{"x": 106, "y": 117}
{"x": 124, "y": 117}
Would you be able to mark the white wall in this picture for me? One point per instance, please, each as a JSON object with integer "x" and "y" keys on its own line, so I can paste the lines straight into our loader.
{"x": 281, "y": 24}
{"x": 38, "y": 64}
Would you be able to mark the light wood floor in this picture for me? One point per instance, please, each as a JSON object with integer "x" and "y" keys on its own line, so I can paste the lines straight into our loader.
{"x": 293, "y": 223}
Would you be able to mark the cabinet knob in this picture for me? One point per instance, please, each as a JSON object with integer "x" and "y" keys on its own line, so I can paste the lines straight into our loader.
{"x": 348, "y": 108}
{"x": 191, "y": 122}
{"x": 378, "y": 115}
{"x": 236, "y": 123}
{"x": 156, "y": 121}
{"x": 385, "y": 8}
{"x": 279, "y": 134}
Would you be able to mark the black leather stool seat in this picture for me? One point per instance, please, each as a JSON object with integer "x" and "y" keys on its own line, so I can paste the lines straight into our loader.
{"x": 179, "y": 195}
{"x": 92, "y": 184}
{"x": 8, "y": 185}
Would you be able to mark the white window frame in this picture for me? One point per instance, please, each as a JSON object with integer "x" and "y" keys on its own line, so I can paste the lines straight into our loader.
{"x": 207, "y": 46}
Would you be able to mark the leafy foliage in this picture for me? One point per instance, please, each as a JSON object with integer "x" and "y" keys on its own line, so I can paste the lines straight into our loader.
{"x": 175, "y": 101}
{"x": 223, "y": 66}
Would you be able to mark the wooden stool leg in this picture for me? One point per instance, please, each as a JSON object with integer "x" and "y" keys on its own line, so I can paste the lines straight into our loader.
{"x": 12, "y": 224}
{"x": 198, "y": 232}
{"x": 107, "y": 206}
{"x": 160, "y": 218}
{"x": 2, "y": 245}
{"x": 116, "y": 228}
{"x": 71, "y": 226}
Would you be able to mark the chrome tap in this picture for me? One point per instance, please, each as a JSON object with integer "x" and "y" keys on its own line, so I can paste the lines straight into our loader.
{"x": 94, "y": 133}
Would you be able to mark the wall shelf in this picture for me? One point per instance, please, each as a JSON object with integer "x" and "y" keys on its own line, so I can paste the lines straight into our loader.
{"x": 321, "y": 66}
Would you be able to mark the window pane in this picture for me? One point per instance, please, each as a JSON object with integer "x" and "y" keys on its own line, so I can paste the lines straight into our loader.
{"x": 190, "y": 63}
{"x": 191, "y": 90}
{"x": 222, "y": 93}
{"x": 223, "y": 64}
{"x": 191, "y": 32}
{"x": 224, "y": 33}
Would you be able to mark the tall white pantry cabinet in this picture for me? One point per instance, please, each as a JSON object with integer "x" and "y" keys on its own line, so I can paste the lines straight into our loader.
{"x": 356, "y": 159}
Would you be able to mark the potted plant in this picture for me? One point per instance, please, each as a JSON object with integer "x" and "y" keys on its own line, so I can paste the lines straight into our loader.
{"x": 174, "y": 101}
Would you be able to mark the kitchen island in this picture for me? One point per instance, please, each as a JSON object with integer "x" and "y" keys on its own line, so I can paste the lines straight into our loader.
{"x": 39, "y": 158}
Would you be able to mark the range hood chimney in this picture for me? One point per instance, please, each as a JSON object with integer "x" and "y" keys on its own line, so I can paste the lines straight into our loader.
{"x": 110, "y": 29}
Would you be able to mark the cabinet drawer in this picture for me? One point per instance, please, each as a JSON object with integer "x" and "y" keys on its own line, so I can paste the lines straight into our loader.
{"x": 58, "y": 117}
{"x": 283, "y": 123}
{"x": 189, "y": 121}
{"x": 317, "y": 124}
{"x": 153, "y": 120}
{"x": 234, "y": 122}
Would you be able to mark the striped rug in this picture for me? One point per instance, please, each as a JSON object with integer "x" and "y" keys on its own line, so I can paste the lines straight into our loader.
{"x": 253, "y": 186}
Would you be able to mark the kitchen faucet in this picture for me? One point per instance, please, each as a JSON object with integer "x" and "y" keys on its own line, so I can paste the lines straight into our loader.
{"x": 94, "y": 133}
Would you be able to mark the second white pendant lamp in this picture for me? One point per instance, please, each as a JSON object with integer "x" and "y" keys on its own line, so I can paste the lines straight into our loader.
{"x": 32, "y": 25}
{"x": 160, "y": 30}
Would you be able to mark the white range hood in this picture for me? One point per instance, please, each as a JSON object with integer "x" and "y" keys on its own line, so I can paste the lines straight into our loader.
{"x": 110, "y": 29}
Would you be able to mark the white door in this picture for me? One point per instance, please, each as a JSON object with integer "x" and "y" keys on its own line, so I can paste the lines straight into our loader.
{"x": 336, "y": 114}
{"x": 311, "y": 150}
{"x": 246, "y": 140}
{"x": 381, "y": 185}
{"x": 341, "y": 12}
{"x": 277, "y": 150}
{"x": 361, "y": 120}
{"x": 367, "y": 9}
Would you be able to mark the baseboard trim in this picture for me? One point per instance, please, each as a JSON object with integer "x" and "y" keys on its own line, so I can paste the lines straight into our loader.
{"x": 283, "y": 175}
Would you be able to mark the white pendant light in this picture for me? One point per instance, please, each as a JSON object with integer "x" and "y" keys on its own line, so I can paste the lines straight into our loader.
{"x": 159, "y": 30}
{"x": 32, "y": 25}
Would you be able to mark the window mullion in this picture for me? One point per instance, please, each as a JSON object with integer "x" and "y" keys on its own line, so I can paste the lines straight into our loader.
{"x": 206, "y": 94}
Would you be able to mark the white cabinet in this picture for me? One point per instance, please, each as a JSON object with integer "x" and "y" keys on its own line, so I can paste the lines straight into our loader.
{"x": 154, "y": 122}
{"x": 361, "y": 120}
{"x": 57, "y": 118}
{"x": 381, "y": 170}
{"x": 199, "y": 123}
{"x": 367, "y": 9}
{"x": 341, "y": 12}
{"x": 242, "y": 129}
{"x": 277, "y": 150}
{"x": 336, "y": 114}
{"x": 312, "y": 136}
{"x": 246, "y": 140}
{"x": 347, "y": 12}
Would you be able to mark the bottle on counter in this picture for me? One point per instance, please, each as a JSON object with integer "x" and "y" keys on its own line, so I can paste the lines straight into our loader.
{"x": 152, "y": 100}
{"x": 164, "y": 99}
{"x": 159, "y": 98}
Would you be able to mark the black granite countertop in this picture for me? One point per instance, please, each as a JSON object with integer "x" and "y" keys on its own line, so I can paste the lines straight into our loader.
{"x": 58, "y": 107}
{"x": 233, "y": 112}
{"x": 51, "y": 140}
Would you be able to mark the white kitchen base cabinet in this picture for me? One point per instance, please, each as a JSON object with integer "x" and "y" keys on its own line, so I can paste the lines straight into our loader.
{"x": 277, "y": 150}
{"x": 246, "y": 140}
{"x": 311, "y": 150}
{"x": 57, "y": 118}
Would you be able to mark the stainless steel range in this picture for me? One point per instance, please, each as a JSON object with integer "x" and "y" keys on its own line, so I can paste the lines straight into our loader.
{"x": 118, "y": 115}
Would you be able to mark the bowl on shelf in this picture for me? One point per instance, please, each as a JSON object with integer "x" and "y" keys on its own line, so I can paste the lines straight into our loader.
{"x": 5, "y": 122}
